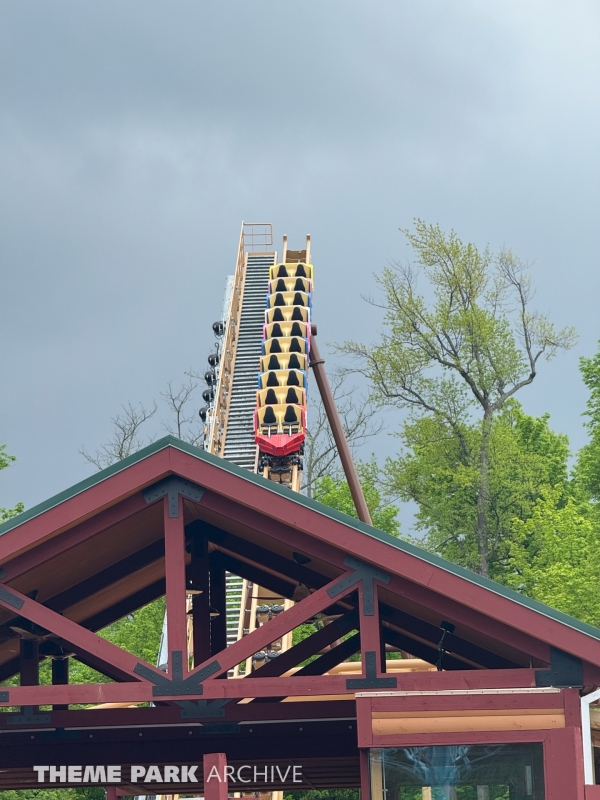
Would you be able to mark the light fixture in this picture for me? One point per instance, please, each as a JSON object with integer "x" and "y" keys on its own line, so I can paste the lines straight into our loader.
{"x": 213, "y": 612}
{"x": 446, "y": 627}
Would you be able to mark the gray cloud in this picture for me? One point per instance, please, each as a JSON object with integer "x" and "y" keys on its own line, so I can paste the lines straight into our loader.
{"x": 136, "y": 136}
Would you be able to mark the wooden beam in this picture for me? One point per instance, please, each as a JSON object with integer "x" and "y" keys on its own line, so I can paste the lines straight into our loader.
{"x": 87, "y": 503}
{"x": 258, "y": 576}
{"x": 416, "y": 648}
{"x": 175, "y": 585}
{"x": 267, "y": 687}
{"x": 426, "y": 633}
{"x": 307, "y": 647}
{"x": 198, "y": 578}
{"x": 274, "y": 629}
{"x": 260, "y": 556}
{"x": 218, "y": 601}
{"x": 215, "y": 781}
{"x": 115, "y": 659}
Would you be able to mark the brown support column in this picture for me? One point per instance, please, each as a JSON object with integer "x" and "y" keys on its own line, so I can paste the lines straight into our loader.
{"x": 199, "y": 584}
{"x": 318, "y": 366}
{"x": 30, "y": 663}
{"x": 218, "y": 602}
{"x": 175, "y": 585}
{"x": 111, "y": 793}
{"x": 365, "y": 784}
{"x": 563, "y": 764}
{"x": 370, "y": 631}
{"x": 215, "y": 779}
{"x": 60, "y": 677}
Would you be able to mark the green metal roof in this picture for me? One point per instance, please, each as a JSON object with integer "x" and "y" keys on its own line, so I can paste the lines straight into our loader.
{"x": 295, "y": 497}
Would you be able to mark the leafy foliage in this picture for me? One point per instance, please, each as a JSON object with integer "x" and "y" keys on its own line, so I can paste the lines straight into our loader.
{"x": 441, "y": 474}
{"x": 456, "y": 361}
{"x": 555, "y": 557}
{"x": 588, "y": 467}
{"x": 6, "y": 513}
{"x": 335, "y": 492}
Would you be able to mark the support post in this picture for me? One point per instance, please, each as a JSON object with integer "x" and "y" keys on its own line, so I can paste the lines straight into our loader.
{"x": 218, "y": 602}
{"x": 365, "y": 786}
{"x": 370, "y": 630}
{"x": 111, "y": 793}
{"x": 215, "y": 778}
{"x": 30, "y": 663}
{"x": 198, "y": 576}
{"x": 175, "y": 584}
{"x": 318, "y": 366}
{"x": 60, "y": 677}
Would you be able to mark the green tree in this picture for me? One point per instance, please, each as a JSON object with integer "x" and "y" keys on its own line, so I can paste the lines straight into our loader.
{"x": 457, "y": 358}
{"x": 6, "y": 460}
{"x": 335, "y": 492}
{"x": 588, "y": 466}
{"x": 440, "y": 473}
{"x": 555, "y": 556}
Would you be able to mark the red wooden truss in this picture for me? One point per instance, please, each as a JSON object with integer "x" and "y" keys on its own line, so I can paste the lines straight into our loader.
{"x": 173, "y": 519}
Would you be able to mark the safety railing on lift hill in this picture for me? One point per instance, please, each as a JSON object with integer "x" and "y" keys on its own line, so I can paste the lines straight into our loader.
{"x": 254, "y": 237}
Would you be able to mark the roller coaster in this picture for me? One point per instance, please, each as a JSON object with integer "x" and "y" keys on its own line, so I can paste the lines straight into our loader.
{"x": 257, "y": 390}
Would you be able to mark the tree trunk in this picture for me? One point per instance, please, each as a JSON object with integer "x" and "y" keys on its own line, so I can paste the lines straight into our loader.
{"x": 483, "y": 493}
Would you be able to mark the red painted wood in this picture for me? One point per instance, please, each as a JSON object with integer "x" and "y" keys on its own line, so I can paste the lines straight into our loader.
{"x": 68, "y": 539}
{"x": 445, "y": 606}
{"x": 265, "y": 687}
{"x": 572, "y": 703}
{"x": 218, "y": 600}
{"x": 198, "y": 574}
{"x": 454, "y": 702}
{"x": 111, "y": 793}
{"x": 370, "y": 630}
{"x": 80, "y": 694}
{"x": 30, "y": 662}
{"x": 592, "y": 793}
{"x": 273, "y": 630}
{"x": 367, "y": 706}
{"x": 365, "y": 778}
{"x": 464, "y": 737}
{"x": 175, "y": 584}
{"x": 102, "y": 650}
{"x": 171, "y": 715}
{"x": 279, "y": 529}
{"x": 86, "y": 504}
{"x": 563, "y": 765}
{"x": 407, "y": 566}
{"x": 215, "y": 785}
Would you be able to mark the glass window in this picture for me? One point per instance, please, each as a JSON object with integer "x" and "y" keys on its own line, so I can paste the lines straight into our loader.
{"x": 458, "y": 772}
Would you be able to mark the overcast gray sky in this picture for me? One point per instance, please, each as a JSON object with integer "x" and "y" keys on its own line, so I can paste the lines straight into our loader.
{"x": 135, "y": 136}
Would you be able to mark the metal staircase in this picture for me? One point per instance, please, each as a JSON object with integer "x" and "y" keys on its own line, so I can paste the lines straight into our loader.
{"x": 240, "y": 447}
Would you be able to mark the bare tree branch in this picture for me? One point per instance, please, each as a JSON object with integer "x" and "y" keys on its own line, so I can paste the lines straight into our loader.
{"x": 125, "y": 438}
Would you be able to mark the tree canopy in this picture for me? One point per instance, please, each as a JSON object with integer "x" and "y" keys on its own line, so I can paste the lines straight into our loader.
{"x": 5, "y": 461}
{"x": 456, "y": 355}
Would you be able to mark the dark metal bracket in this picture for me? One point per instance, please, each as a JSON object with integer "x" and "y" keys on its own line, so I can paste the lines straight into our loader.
{"x": 365, "y": 573}
{"x": 29, "y": 717}
{"x": 173, "y": 487}
{"x": 202, "y": 709}
{"x": 177, "y": 685}
{"x": 371, "y": 681}
{"x": 565, "y": 671}
{"x": 8, "y": 597}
